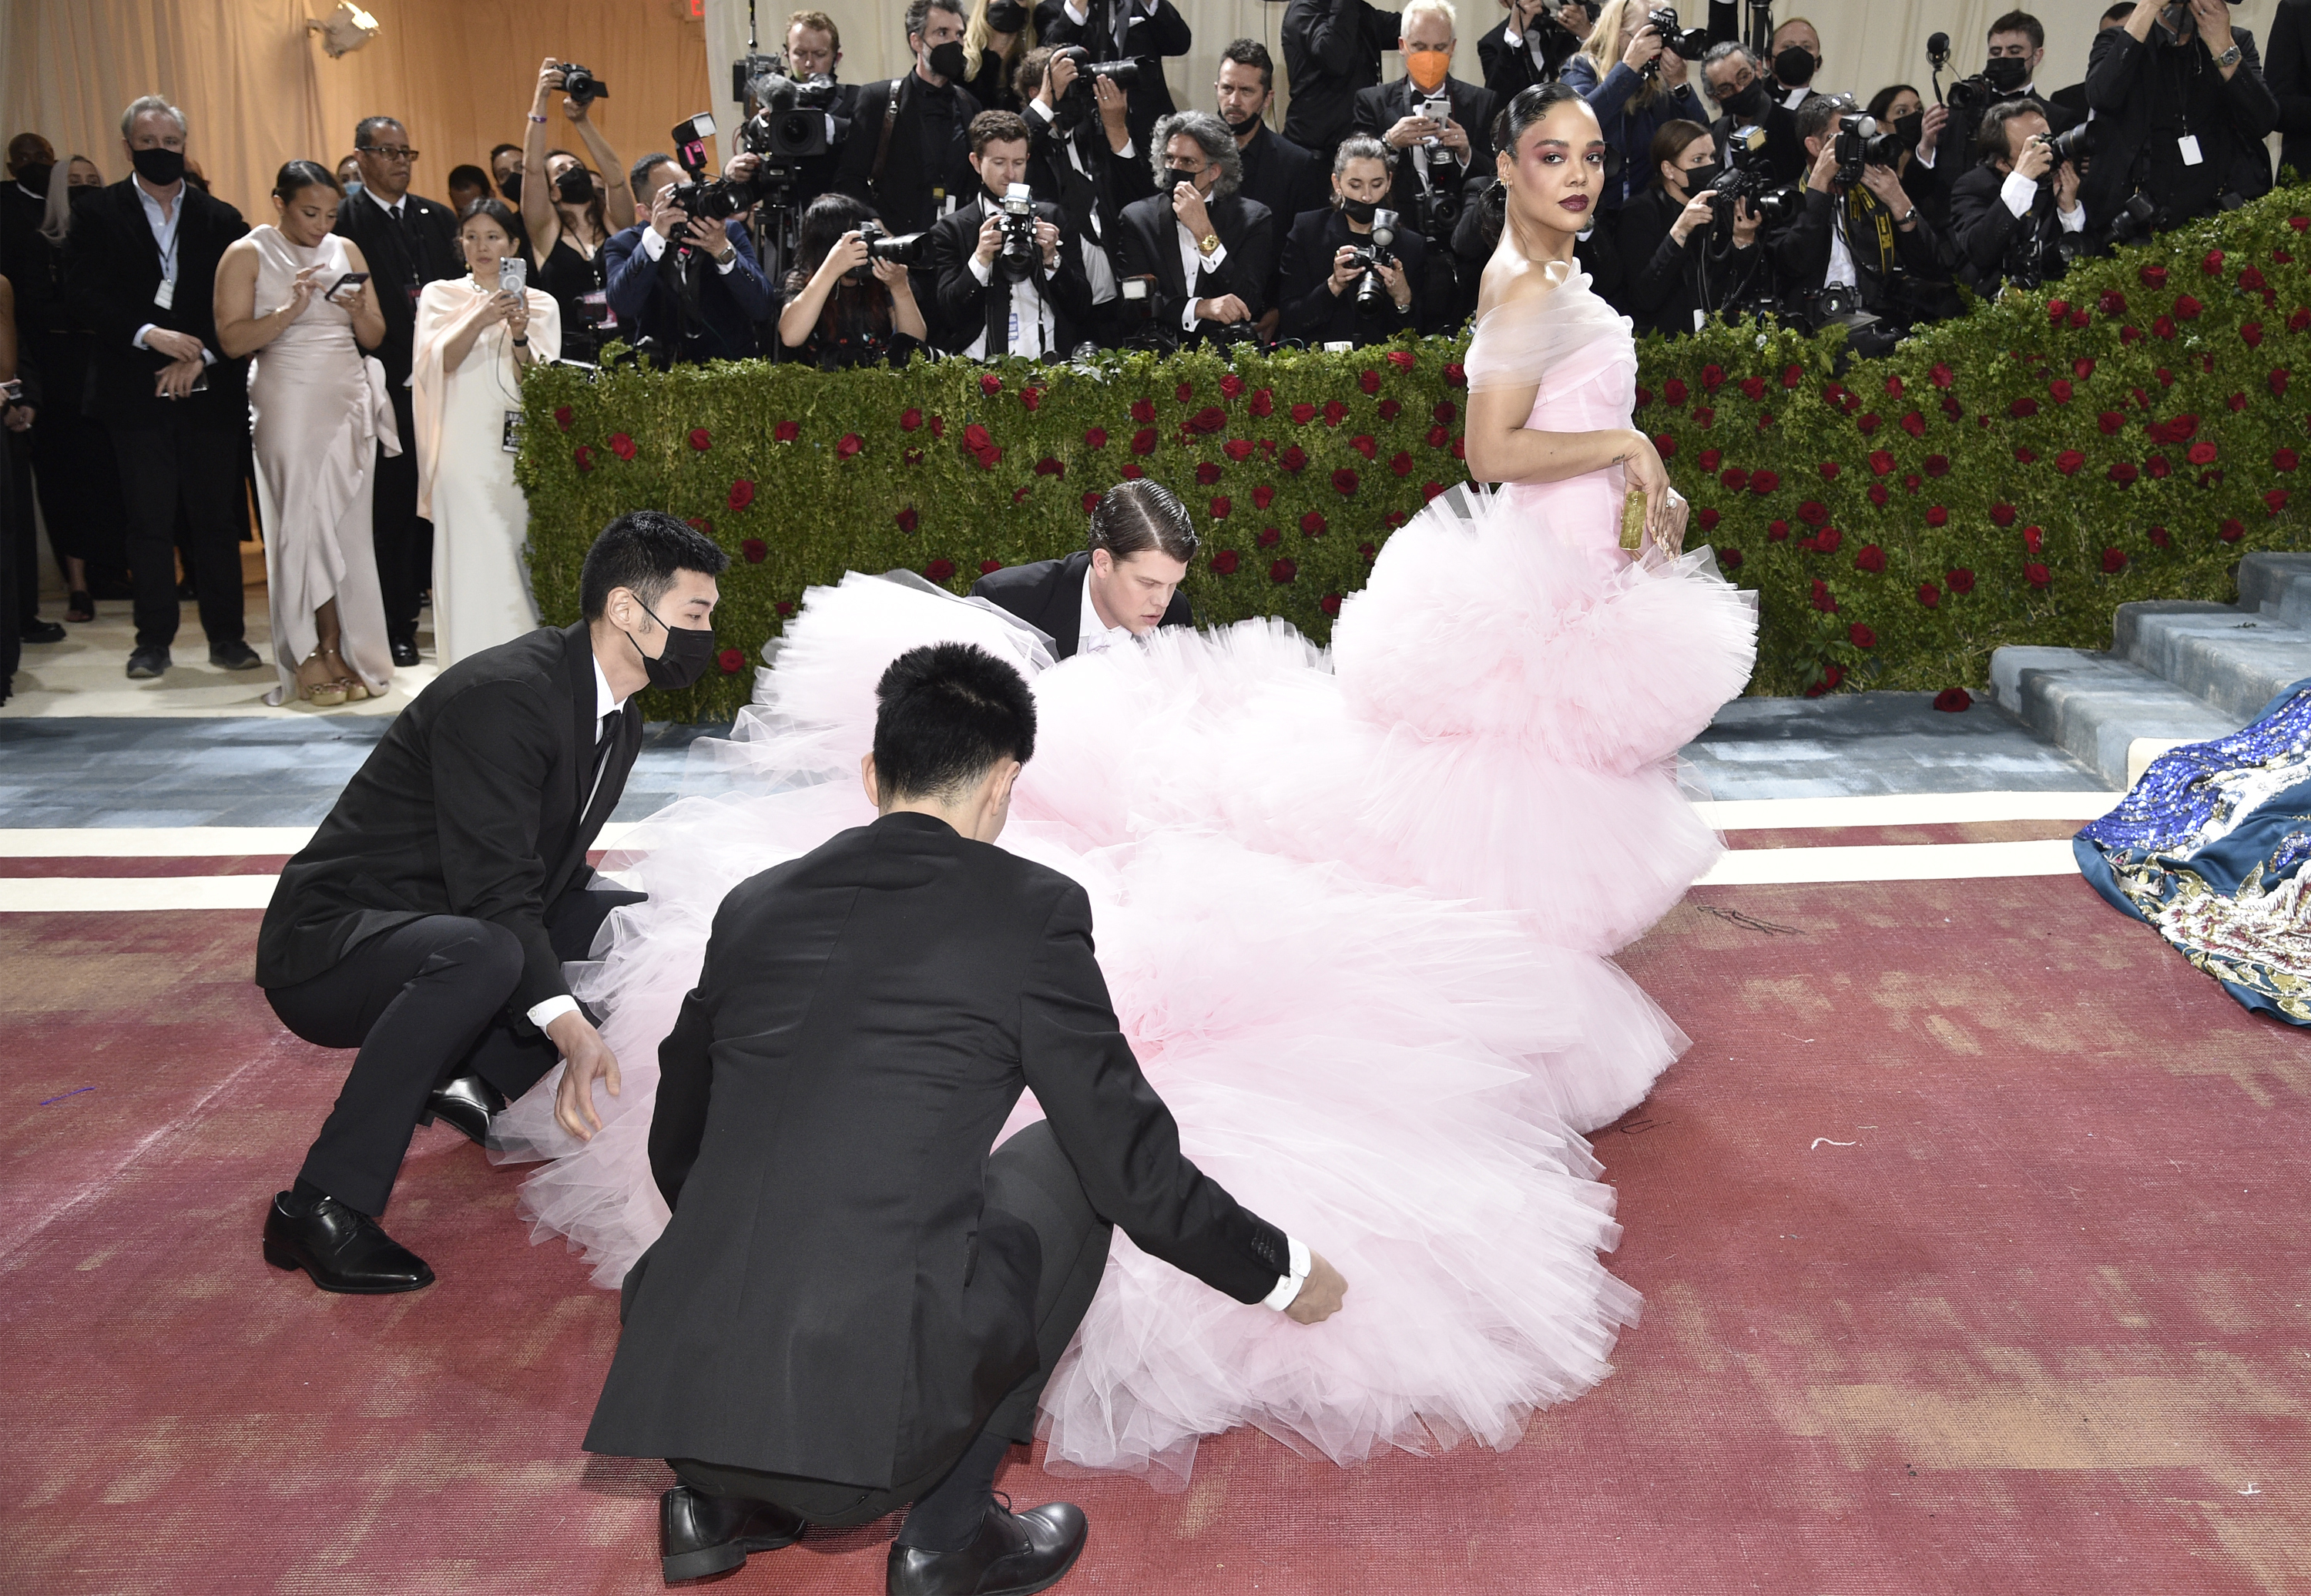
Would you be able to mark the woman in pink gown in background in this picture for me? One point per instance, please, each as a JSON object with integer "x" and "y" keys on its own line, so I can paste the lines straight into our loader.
{"x": 1354, "y": 909}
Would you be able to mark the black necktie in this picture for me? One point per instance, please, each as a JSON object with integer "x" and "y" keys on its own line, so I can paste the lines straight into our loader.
{"x": 605, "y": 739}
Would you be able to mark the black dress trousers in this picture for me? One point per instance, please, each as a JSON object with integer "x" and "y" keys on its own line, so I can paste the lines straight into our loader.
{"x": 193, "y": 471}
{"x": 403, "y": 541}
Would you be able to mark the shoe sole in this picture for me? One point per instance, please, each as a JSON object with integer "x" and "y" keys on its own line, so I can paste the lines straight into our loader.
{"x": 281, "y": 1258}
{"x": 1064, "y": 1569}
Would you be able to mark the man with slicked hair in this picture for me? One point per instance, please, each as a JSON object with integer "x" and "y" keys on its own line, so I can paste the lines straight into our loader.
{"x": 1125, "y": 582}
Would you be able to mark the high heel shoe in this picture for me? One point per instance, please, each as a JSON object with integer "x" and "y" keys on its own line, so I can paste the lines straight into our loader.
{"x": 323, "y": 695}
{"x": 355, "y": 689}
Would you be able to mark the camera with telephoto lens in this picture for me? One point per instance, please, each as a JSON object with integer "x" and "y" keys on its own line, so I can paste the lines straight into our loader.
{"x": 906, "y": 249}
{"x": 1688, "y": 44}
{"x": 2071, "y": 145}
{"x": 714, "y": 201}
{"x": 1018, "y": 256}
{"x": 2136, "y": 220}
{"x": 1081, "y": 100}
{"x": 791, "y": 121}
{"x": 1372, "y": 292}
{"x": 582, "y": 85}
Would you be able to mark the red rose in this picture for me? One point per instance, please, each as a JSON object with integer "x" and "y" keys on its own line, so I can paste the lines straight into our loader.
{"x": 1301, "y": 414}
{"x": 1872, "y": 559}
{"x": 940, "y": 569}
{"x": 2111, "y": 422}
{"x": 584, "y": 456}
{"x": 1831, "y": 676}
{"x": 2069, "y": 462}
{"x": 785, "y": 607}
{"x": 1953, "y": 700}
{"x": 1936, "y": 516}
{"x": 1283, "y": 571}
{"x": 1390, "y": 409}
{"x": 2298, "y": 223}
{"x": 1095, "y": 437}
{"x": 2164, "y": 326}
{"x": 1829, "y": 470}
{"x": 787, "y": 432}
{"x": 1709, "y": 459}
{"x": 1960, "y": 580}
{"x": 561, "y": 417}
{"x": 1143, "y": 442}
{"x": 2032, "y": 538}
{"x": 1263, "y": 402}
{"x": 701, "y": 439}
{"x": 755, "y": 550}
{"x": 2023, "y": 408}
{"x": 1733, "y": 479}
{"x": 988, "y": 567}
{"x": 1444, "y": 411}
{"x": 1090, "y": 503}
{"x": 913, "y": 457}
{"x": 1363, "y": 445}
{"x": 1762, "y": 483}
{"x": 2157, "y": 467}
{"x": 2300, "y": 319}
{"x": 2002, "y": 514}
{"x": 1132, "y": 471}
{"x": 2285, "y": 459}
{"x": 2232, "y": 530}
{"x": 1712, "y": 376}
{"x": 848, "y": 446}
{"x": 1912, "y": 483}
{"x": 976, "y": 437}
{"x": 2113, "y": 560}
{"x": 1674, "y": 391}
{"x": 731, "y": 660}
{"x": 742, "y": 494}
{"x": 2061, "y": 389}
{"x": 1914, "y": 425}
{"x": 1403, "y": 360}
{"x": 1828, "y": 539}
{"x": 1814, "y": 513}
{"x": 622, "y": 446}
{"x": 1929, "y": 595}
{"x": 2056, "y": 309}
{"x": 1792, "y": 375}
{"x": 2124, "y": 472}
{"x": 1032, "y": 400}
{"x": 1294, "y": 459}
{"x": 2187, "y": 308}
{"x": 907, "y": 519}
{"x": 1861, "y": 636}
{"x": 1881, "y": 462}
{"x": 2111, "y": 303}
{"x": 1455, "y": 375}
{"x": 2212, "y": 264}
{"x": 1753, "y": 387}
{"x": 910, "y": 419}
{"x": 2153, "y": 276}
{"x": 1220, "y": 508}
{"x": 1206, "y": 474}
{"x": 2037, "y": 575}
{"x": 1210, "y": 419}
{"x": 2237, "y": 402}
{"x": 1400, "y": 463}
{"x": 1730, "y": 559}
{"x": 1344, "y": 482}
{"x": 1778, "y": 531}
{"x": 1702, "y": 415}
{"x": 1368, "y": 379}
{"x": 1665, "y": 446}
{"x": 1429, "y": 490}
{"x": 2182, "y": 428}
{"x": 938, "y": 425}
{"x": 1226, "y": 562}
{"x": 2251, "y": 334}
{"x": 1312, "y": 525}
{"x": 1879, "y": 493}
{"x": 1330, "y": 604}
{"x": 2028, "y": 457}
{"x": 1238, "y": 449}
{"x": 1184, "y": 392}
{"x": 2203, "y": 453}
{"x": 1821, "y": 598}
{"x": 1645, "y": 395}
{"x": 1263, "y": 496}
{"x": 1709, "y": 519}
{"x": 2275, "y": 500}
{"x": 1230, "y": 385}
{"x": 1438, "y": 437}
{"x": 1868, "y": 423}
{"x": 991, "y": 384}
{"x": 1951, "y": 408}
{"x": 1335, "y": 413}
{"x": 1143, "y": 410}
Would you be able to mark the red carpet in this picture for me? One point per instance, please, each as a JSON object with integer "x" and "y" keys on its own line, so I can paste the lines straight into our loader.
{"x": 2042, "y": 1328}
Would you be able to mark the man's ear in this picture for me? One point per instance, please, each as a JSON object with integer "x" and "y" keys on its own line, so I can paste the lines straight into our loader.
{"x": 867, "y": 779}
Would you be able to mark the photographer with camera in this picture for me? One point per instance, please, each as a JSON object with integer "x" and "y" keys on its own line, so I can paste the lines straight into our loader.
{"x": 2073, "y": 99}
{"x": 1737, "y": 84}
{"x": 1136, "y": 32}
{"x": 1631, "y": 73}
{"x": 1010, "y": 281}
{"x": 1082, "y": 156}
{"x": 1205, "y": 250}
{"x": 814, "y": 53}
{"x": 908, "y": 158}
{"x": 1534, "y": 43}
{"x": 685, "y": 287}
{"x": 1289, "y": 180}
{"x": 849, "y": 300}
{"x": 569, "y": 212}
{"x": 2180, "y": 114}
{"x": 1352, "y": 270}
{"x": 1921, "y": 128}
{"x": 1859, "y": 239}
{"x": 1685, "y": 263}
{"x": 1332, "y": 54}
{"x": 2008, "y": 215}
{"x": 1441, "y": 129}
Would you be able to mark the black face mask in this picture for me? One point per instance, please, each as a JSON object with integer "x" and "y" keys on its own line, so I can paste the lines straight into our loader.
{"x": 1795, "y": 66}
{"x": 82, "y": 193}
{"x": 1238, "y": 128}
{"x": 1360, "y": 211}
{"x": 34, "y": 179}
{"x": 159, "y": 168}
{"x": 510, "y": 186}
{"x": 689, "y": 651}
{"x": 1697, "y": 177}
{"x": 1911, "y": 128}
{"x": 1749, "y": 102}
{"x": 1007, "y": 16}
{"x": 575, "y": 186}
{"x": 1173, "y": 177}
{"x": 2007, "y": 74}
{"x": 947, "y": 60}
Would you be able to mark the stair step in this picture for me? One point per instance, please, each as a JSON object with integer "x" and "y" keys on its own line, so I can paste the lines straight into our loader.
{"x": 2094, "y": 706}
{"x": 2237, "y": 660}
{"x": 2277, "y": 586}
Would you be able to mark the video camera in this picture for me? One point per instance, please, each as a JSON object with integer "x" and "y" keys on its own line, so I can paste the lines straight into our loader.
{"x": 1372, "y": 292}
{"x": 1688, "y": 44}
{"x": 789, "y": 121}
{"x": 582, "y": 85}
{"x": 906, "y": 249}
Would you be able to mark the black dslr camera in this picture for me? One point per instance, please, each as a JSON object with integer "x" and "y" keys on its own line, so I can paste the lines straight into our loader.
{"x": 582, "y": 85}
{"x": 1019, "y": 255}
{"x": 1748, "y": 176}
{"x": 1688, "y": 44}
{"x": 1080, "y": 101}
{"x": 904, "y": 249}
{"x": 1859, "y": 144}
{"x": 1372, "y": 292}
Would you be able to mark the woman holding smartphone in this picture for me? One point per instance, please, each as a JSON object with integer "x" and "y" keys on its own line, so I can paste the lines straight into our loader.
{"x": 296, "y": 296}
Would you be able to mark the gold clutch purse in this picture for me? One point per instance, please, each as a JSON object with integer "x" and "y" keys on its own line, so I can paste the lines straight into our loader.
{"x": 1633, "y": 519}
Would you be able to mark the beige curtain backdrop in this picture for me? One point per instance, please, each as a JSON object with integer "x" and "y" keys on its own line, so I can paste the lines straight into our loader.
{"x": 258, "y": 89}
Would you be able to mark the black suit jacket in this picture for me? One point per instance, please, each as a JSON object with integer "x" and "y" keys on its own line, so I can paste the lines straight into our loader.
{"x": 1982, "y": 229}
{"x": 1663, "y": 285}
{"x": 401, "y": 261}
{"x": 2117, "y": 86}
{"x": 1048, "y": 595}
{"x": 470, "y": 805}
{"x": 1785, "y": 156}
{"x": 1509, "y": 69}
{"x": 1378, "y": 109}
{"x": 1332, "y": 49}
{"x": 1289, "y": 182}
{"x": 1801, "y": 255}
{"x": 1152, "y": 36}
{"x": 2287, "y": 72}
{"x": 112, "y": 269}
{"x": 647, "y": 295}
{"x": 1313, "y": 313}
{"x": 831, "y": 1298}
{"x": 1148, "y": 245}
{"x": 1108, "y": 182}
{"x": 963, "y": 302}
{"x": 902, "y": 198}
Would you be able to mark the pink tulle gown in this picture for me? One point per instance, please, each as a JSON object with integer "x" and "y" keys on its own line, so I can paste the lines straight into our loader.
{"x": 1354, "y": 910}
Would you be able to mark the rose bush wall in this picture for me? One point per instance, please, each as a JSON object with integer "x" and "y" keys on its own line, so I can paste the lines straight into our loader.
{"x": 2011, "y": 477}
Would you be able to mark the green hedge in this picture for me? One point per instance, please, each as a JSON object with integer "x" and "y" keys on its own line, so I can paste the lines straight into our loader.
{"x": 2011, "y": 477}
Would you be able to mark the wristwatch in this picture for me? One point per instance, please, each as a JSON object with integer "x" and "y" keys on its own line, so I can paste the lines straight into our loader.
{"x": 1208, "y": 243}
{"x": 2229, "y": 58}
{"x": 727, "y": 256}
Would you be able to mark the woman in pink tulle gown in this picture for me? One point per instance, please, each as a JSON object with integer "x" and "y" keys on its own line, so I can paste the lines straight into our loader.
{"x": 1354, "y": 909}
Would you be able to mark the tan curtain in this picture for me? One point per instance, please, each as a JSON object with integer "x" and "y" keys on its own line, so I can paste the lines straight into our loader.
{"x": 258, "y": 89}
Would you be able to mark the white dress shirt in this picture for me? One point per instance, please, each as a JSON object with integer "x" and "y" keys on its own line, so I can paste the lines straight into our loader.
{"x": 1034, "y": 328}
{"x": 1098, "y": 268}
{"x": 1092, "y": 633}
{"x": 164, "y": 225}
{"x": 605, "y": 705}
{"x": 2021, "y": 193}
{"x": 654, "y": 245}
{"x": 1191, "y": 260}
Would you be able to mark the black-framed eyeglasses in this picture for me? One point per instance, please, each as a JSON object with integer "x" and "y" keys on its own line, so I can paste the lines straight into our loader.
{"x": 390, "y": 151}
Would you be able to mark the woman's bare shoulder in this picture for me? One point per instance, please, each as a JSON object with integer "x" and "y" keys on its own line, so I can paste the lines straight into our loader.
{"x": 1511, "y": 279}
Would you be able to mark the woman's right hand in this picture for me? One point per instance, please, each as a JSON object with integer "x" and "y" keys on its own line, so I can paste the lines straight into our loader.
{"x": 1641, "y": 49}
{"x": 301, "y": 290}
{"x": 1643, "y": 471}
{"x": 1697, "y": 213}
{"x": 1346, "y": 269}
{"x": 848, "y": 254}
{"x": 549, "y": 79}
{"x": 495, "y": 308}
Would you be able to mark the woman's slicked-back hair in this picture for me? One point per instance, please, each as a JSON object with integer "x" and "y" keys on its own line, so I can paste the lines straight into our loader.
{"x": 1134, "y": 517}
{"x": 300, "y": 175}
{"x": 642, "y": 551}
{"x": 1532, "y": 104}
{"x": 944, "y": 714}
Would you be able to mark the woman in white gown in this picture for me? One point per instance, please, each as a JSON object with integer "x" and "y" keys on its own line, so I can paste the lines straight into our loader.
{"x": 1353, "y": 911}
{"x": 474, "y": 339}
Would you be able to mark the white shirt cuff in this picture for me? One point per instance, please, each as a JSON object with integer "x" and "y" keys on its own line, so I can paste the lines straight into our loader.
{"x": 1188, "y": 315}
{"x": 2018, "y": 193}
{"x": 653, "y": 242}
{"x": 1511, "y": 39}
{"x": 985, "y": 274}
{"x": 552, "y": 1010}
{"x": 1287, "y": 1286}
{"x": 725, "y": 268}
{"x": 139, "y": 339}
{"x": 1925, "y": 157}
{"x": 2073, "y": 220}
{"x": 1041, "y": 113}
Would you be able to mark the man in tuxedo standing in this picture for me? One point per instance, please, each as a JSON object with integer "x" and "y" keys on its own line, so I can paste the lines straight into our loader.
{"x": 991, "y": 302}
{"x": 908, "y": 159}
{"x": 140, "y": 270}
{"x": 427, "y": 922}
{"x": 1736, "y": 84}
{"x": 1084, "y": 159}
{"x": 2018, "y": 46}
{"x": 1210, "y": 252}
{"x": 408, "y": 242}
{"x": 1277, "y": 173}
{"x": 1434, "y": 156}
{"x": 815, "y": 48}
{"x": 2005, "y": 213}
{"x": 857, "y": 1305}
{"x": 1143, "y": 31}
{"x": 1123, "y": 583}
{"x": 1331, "y": 51}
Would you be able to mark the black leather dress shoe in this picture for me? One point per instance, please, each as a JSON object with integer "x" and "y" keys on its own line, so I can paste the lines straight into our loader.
{"x": 235, "y": 655}
{"x": 466, "y": 1104}
{"x": 37, "y": 631}
{"x": 146, "y": 664}
{"x": 404, "y": 653}
{"x": 341, "y": 1250}
{"x": 1014, "y": 1554}
{"x": 700, "y": 1535}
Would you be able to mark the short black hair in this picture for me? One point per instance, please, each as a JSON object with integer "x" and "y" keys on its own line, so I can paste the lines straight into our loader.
{"x": 1134, "y": 517}
{"x": 637, "y": 174}
{"x": 642, "y": 551}
{"x": 2120, "y": 12}
{"x": 944, "y": 714}
{"x": 1251, "y": 53}
{"x": 2020, "y": 21}
{"x": 364, "y": 129}
{"x": 497, "y": 211}
{"x": 468, "y": 176}
{"x": 498, "y": 150}
{"x": 1819, "y": 114}
{"x": 1990, "y": 140}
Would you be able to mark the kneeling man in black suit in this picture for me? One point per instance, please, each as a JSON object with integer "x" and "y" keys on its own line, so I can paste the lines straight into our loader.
{"x": 855, "y": 1307}
{"x": 427, "y": 922}
{"x": 1126, "y": 583}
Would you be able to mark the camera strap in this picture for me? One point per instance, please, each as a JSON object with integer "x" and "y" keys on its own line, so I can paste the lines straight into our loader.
{"x": 883, "y": 139}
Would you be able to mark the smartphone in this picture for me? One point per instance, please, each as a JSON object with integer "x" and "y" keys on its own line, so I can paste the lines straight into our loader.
{"x": 350, "y": 280}
{"x": 513, "y": 275}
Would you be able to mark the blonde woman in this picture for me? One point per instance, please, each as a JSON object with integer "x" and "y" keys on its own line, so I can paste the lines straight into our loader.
{"x": 1636, "y": 85}
{"x": 1000, "y": 33}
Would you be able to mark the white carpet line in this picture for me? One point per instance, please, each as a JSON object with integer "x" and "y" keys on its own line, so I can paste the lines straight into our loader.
{"x": 184, "y": 841}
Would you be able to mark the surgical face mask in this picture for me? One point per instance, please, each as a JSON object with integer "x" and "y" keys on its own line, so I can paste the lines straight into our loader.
{"x": 1237, "y": 125}
{"x": 1360, "y": 211}
{"x": 159, "y": 167}
{"x": 947, "y": 60}
{"x": 1749, "y": 102}
{"x": 575, "y": 186}
{"x": 689, "y": 651}
{"x": 1174, "y": 176}
{"x": 1697, "y": 177}
{"x": 1912, "y": 128}
{"x": 1795, "y": 66}
{"x": 1427, "y": 68}
{"x": 1007, "y": 16}
{"x": 2007, "y": 74}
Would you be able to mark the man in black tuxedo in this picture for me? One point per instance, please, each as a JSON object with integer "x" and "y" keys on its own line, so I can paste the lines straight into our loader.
{"x": 909, "y": 155}
{"x": 427, "y": 922}
{"x": 2144, "y": 81}
{"x": 1531, "y": 44}
{"x": 992, "y": 303}
{"x": 140, "y": 269}
{"x": 1277, "y": 173}
{"x": 856, "y": 1305}
{"x": 2018, "y": 47}
{"x": 1331, "y": 50}
{"x": 2073, "y": 99}
{"x": 408, "y": 242}
{"x": 1196, "y": 215}
{"x": 688, "y": 285}
{"x": 1434, "y": 158}
{"x": 1869, "y": 236}
{"x": 2004, "y": 217}
{"x": 1123, "y": 31}
{"x": 1083, "y": 157}
{"x": 1124, "y": 582}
